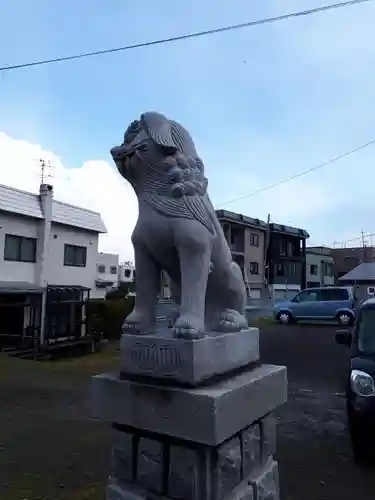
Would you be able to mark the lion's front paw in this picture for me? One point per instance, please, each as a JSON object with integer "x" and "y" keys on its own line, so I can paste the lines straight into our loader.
{"x": 232, "y": 321}
{"x": 138, "y": 323}
{"x": 188, "y": 327}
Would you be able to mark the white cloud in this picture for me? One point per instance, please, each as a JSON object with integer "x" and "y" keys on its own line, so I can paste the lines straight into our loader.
{"x": 96, "y": 186}
{"x": 266, "y": 102}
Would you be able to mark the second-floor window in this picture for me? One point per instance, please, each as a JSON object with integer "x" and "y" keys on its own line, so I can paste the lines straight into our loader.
{"x": 313, "y": 269}
{"x": 127, "y": 273}
{"x": 254, "y": 268}
{"x": 280, "y": 269}
{"x": 19, "y": 248}
{"x": 101, "y": 269}
{"x": 282, "y": 245}
{"x": 75, "y": 256}
{"x": 254, "y": 239}
{"x": 113, "y": 269}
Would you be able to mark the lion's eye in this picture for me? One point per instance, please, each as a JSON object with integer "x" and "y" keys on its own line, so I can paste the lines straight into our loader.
{"x": 142, "y": 147}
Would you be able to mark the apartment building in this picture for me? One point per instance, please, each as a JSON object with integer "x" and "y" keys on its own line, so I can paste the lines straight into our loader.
{"x": 246, "y": 239}
{"x": 286, "y": 260}
{"x": 319, "y": 266}
{"x": 272, "y": 257}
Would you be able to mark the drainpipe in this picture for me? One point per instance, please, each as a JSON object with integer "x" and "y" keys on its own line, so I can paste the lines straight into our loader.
{"x": 44, "y": 235}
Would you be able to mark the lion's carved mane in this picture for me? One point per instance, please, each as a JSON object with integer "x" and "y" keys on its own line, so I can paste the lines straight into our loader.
{"x": 171, "y": 182}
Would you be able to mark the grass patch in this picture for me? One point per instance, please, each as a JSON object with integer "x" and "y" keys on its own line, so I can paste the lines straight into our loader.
{"x": 105, "y": 360}
{"x": 262, "y": 320}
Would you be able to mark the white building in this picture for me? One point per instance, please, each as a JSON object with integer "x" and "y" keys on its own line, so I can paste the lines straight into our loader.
{"x": 126, "y": 272}
{"x": 319, "y": 266}
{"x": 47, "y": 248}
{"x": 107, "y": 274}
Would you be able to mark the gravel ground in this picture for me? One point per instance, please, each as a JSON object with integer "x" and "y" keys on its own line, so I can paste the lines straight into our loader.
{"x": 50, "y": 449}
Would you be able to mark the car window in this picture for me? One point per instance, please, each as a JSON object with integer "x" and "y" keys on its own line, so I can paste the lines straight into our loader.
{"x": 366, "y": 331}
{"x": 330, "y": 294}
{"x": 307, "y": 296}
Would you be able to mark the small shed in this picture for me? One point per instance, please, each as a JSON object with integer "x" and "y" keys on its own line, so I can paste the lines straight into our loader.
{"x": 20, "y": 310}
{"x": 362, "y": 278}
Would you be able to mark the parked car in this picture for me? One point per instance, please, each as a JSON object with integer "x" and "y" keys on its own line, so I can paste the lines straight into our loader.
{"x": 360, "y": 382}
{"x": 325, "y": 303}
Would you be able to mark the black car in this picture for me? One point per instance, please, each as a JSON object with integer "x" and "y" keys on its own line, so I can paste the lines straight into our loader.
{"x": 360, "y": 386}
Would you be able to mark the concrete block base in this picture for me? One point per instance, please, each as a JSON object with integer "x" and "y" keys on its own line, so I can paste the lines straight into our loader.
{"x": 151, "y": 467}
{"x": 188, "y": 362}
{"x": 208, "y": 415}
{"x": 207, "y": 443}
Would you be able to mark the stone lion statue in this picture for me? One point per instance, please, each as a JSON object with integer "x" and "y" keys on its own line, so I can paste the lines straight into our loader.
{"x": 177, "y": 231}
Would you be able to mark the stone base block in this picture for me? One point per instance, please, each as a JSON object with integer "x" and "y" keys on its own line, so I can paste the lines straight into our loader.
{"x": 153, "y": 467}
{"x": 207, "y": 415}
{"x": 189, "y": 362}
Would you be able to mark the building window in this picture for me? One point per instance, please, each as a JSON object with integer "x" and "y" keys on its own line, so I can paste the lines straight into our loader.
{"x": 127, "y": 273}
{"x": 113, "y": 270}
{"x": 254, "y": 240}
{"x": 280, "y": 271}
{"x": 313, "y": 269}
{"x": 101, "y": 269}
{"x": 327, "y": 269}
{"x": 75, "y": 256}
{"x": 19, "y": 248}
{"x": 254, "y": 268}
{"x": 292, "y": 249}
{"x": 282, "y": 245}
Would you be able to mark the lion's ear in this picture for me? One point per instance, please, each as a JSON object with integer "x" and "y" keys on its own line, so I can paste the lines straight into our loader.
{"x": 158, "y": 127}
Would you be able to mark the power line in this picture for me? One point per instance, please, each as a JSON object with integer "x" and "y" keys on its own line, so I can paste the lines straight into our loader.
{"x": 196, "y": 34}
{"x": 343, "y": 242}
{"x": 300, "y": 174}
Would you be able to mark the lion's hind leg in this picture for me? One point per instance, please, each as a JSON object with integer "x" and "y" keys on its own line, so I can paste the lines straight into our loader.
{"x": 231, "y": 294}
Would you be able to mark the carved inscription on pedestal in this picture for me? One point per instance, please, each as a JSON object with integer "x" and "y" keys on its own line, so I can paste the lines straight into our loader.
{"x": 151, "y": 357}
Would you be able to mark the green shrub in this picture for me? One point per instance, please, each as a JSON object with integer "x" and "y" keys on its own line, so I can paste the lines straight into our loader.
{"x": 105, "y": 317}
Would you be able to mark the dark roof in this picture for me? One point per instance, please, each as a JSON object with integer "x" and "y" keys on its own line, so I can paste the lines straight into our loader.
{"x": 67, "y": 288}
{"x": 280, "y": 228}
{"x": 260, "y": 224}
{"x": 320, "y": 250}
{"x": 18, "y": 287}
{"x": 363, "y": 272}
{"x": 241, "y": 219}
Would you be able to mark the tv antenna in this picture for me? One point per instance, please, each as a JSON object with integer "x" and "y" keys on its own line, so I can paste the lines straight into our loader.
{"x": 46, "y": 167}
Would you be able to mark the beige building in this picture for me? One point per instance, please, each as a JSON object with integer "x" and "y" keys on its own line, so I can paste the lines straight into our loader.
{"x": 246, "y": 238}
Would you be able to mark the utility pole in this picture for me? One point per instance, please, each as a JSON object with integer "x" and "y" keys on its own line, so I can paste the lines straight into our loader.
{"x": 266, "y": 275}
{"x": 363, "y": 245}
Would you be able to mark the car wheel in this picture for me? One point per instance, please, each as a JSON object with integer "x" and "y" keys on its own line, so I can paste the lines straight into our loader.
{"x": 361, "y": 445}
{"x": 284, "y": 317}
{"x": 345, "y": 319}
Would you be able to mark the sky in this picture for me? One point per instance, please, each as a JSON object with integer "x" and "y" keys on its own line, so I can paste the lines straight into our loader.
{"x": 261, "y": 103}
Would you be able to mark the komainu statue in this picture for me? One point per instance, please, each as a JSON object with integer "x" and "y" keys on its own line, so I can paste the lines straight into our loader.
{"x": 177, "y": 231}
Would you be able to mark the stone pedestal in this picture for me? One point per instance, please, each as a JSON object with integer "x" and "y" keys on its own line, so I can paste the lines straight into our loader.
{"x": 189, "y": 362}
{"x": 210, "y": 442}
